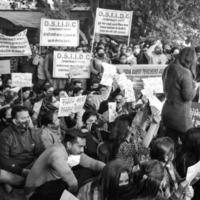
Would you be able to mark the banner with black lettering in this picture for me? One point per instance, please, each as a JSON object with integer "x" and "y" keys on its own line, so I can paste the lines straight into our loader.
{"x": 113, "y": 22}
{"x": 56, "y": 32}
{"x": 73, "y": 64}
{"x": 12, "y": 46}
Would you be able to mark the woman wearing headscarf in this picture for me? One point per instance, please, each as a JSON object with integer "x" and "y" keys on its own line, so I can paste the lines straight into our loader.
{"x": 180, "y": 89}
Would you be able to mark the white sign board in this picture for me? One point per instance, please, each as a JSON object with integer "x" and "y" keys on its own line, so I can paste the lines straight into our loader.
{"x": 113, "y": 22}
{"x": 75, "y": 64}
{"x": 155, "y": 84}
{"x": 71, "y": 105}
{"x": 12, "y": 46}
{"x": 56, "y": 32}
{"x": 112, "y": 111}
{"x": 109, "y": 74}
{"x": 4, "y": 66}
{"x": 21, "y": 79}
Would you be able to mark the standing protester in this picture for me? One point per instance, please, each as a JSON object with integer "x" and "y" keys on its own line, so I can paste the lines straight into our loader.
{"x": 180, "y": 89}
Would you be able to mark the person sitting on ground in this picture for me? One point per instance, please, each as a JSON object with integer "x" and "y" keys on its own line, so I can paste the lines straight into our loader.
{"x": 163, "y": 149}
{"x": 188, "y": 156}
{"x": 152, "y": 183}
{"x": 50, "y": 131}
{"x": 19, "y": 147}
{"x": 51, "y": 174}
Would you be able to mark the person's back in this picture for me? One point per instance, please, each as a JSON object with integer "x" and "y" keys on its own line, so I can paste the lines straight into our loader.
{"x": 179, "y": 91}
{"x": 173, "y": 75}
{"x": 42, "y": 170}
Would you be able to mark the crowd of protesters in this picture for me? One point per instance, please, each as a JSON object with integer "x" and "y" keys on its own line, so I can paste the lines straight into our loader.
{"x": 142, "y": 155}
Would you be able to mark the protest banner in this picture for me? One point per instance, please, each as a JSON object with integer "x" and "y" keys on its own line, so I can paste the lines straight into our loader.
{"x": 113, "y": 22}
{"x": 21, "y": 79}
{"x": 4, "y": 67}
{"x": 142, "y": 71}
{"x": 73, "y": 64}
{"x": 129, "y": 92}
{"x": 12, "y": 46}
{"x": 70, "y": 105}
{"x": 108, "y": 74}
{"x": 56, "y": 32}
{"x": 195, "y": 114}
{"x": 112, "y": 111}
{"x": 154, "y": 84}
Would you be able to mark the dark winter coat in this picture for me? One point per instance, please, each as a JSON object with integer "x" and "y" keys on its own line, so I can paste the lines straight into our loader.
{"x": 180, "y": 91}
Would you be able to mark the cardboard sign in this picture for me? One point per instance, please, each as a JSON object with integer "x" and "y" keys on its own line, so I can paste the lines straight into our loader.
{"x": 71, "y": 105}
{"x": 154, "y": 84}
{"x": 142, "y": 71}
{"x": 129, "y": 92}
{"x": 21, "y": 79}
{"x": 75, "y": 64}
{"x": 108, "y": 74}
{"x": 4, "y": 67}
{"x": 56, "y": 32}
{"x": 112, "y": 111}
{"x": 193, "y": 172}
{"x": 196, "y": 114}
{"x": 113, "y": 22}
{"x": 12, "y": 46}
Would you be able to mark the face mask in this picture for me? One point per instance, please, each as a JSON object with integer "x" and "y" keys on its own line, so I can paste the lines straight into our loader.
{"x": 137, "y": 51}
{"x": 22, "y": 125}
{"x": 101, "y": 55}
{"x": 125, "y": 189}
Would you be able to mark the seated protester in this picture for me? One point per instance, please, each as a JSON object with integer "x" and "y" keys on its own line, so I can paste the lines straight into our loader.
{"x": 120, "y": 105}
{"x": 112, "y": 184}
{"x": 70, "y": 91}
{"x": 77, "y": 84}
{"x": 93, "y": 136}
{"x": 50, "y": 131}
{"x": 2, "y": 100}
{"x": 123, "y": 147}
{"x": 52, "y": 174}
{"x": 131, "y": 59}
{"x": 19, "y": 147}
{"x": 140, "y": 55}
{"x": 49, "y": 103}
{"x": 5, "y": 118}
{"x": 190, "y": 155}
{"x": 95, "y": 100}
{"x": 104, "y": 104}
{"x": 44, "y": 101}
{"x": 163, "y": 149}
{"x": 68, "y": 122}
{"x": 60, "y": 93}
{"x": 129, "y": 140}
{"x": 10, "y": 97}
{"x": 24, "y": 98}
{"x": 152, "y": 183}
{"x": 122, "y": 60}
{"x": 94, "y": 87}
{"x": 77, "y": 91}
